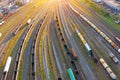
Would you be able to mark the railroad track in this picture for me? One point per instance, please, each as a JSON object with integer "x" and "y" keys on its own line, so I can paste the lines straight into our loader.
{"x": 56, "y": 55}
{"x": 20, "y": 43}
{"x": 17, "y": 60}
{"x": 11, "y": 33}
{"x": 71, "y": 56}
{"x": 18, "y": 54}
{"x": 98, "y": 30}
{"x": 38, "y": 44}
{"x": 31, "y": 48}
{"x": 30, "y": 74}
{"x": 112, "y": 75}
{"x": 75, "y": 30}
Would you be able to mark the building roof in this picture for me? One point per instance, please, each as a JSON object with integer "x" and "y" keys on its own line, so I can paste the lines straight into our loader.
{"x": 112, "y": 3}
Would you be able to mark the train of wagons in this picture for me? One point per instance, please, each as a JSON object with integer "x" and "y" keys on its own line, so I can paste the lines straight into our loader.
{"x": 102, "y": 61}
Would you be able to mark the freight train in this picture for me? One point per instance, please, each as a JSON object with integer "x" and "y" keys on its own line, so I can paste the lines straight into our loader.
{"x": 97, "y": 30}
{"x": 102, "y": 34}
{"x": 107, "y": 68}
{"x": 84, "y": 42}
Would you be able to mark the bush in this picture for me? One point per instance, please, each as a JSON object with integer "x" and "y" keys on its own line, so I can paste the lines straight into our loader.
{"x": 18, "y": 3}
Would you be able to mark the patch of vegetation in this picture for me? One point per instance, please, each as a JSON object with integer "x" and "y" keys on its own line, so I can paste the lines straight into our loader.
{"x": 19, "y": 3}
{"x": 98, "y": 9}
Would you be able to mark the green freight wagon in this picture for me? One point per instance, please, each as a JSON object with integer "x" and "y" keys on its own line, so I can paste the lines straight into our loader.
{"x": 70, "y": 73}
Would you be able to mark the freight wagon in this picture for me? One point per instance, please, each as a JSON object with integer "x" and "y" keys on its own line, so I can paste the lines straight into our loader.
{"x": 107, "y": 68}
{"x": 84, "y": 43}
{"x": 70, "y": 73}
{"x": 73, "y": 53}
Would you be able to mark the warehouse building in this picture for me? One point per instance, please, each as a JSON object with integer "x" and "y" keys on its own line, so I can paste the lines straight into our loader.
{"x": 97, "y": 0}
{"x": 112, "y": 4}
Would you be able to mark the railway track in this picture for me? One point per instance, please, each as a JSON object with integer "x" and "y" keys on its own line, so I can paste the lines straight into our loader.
{"x": 99, "y": 56}
{"x": 57, "y": 51}
{"x": 61, "y": 58}
{"x": 38, "y": 44}
{"x": 18, "y": 53}
{"x": 71, "y": 41}
{"x": 31, "y": 49}
{"x": 71, "y": 56}
{"x": 21, "y": 43}
{"x": 11, "y": 33}
{"x": 17, "y": 60}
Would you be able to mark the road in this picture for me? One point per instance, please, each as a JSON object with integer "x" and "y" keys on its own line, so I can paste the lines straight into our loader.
{"x": 41, "y": 50}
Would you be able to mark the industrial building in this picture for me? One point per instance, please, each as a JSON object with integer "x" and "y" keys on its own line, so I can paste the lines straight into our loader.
{"x": 112, "y": 4}
{"x": 97, "y": 0}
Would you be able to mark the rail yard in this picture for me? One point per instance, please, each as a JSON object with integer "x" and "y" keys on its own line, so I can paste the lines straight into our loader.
{"x": 58, "y": 40}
